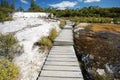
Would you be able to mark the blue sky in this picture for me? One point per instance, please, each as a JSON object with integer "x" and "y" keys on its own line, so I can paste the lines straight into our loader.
{"x": 62, "y": 4}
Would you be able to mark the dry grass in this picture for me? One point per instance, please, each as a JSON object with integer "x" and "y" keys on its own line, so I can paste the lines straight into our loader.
{"x": 52, "y": 34}
{"x": 105, "y": 27}
{"x": 62, "y": 23}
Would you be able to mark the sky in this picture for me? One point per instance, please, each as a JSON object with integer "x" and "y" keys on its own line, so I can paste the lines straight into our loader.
{"x": 73, "y": 4}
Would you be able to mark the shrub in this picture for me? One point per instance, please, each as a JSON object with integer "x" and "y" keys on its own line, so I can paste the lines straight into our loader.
{"x": 6, "y": 42}
{"x": 8, "y": 71}
{"x": 62, "y": 23}
{"x": 52, "y": 34}
{"x": 45, "y": 42}
{"x": 9, "y": 46}
{"x": 4, "y": 14}
{"x": 2, "y": 17}
{"x": 116, "y": 20}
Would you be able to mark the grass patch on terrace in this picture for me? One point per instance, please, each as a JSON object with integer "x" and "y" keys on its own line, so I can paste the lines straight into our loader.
{"x": 89, "y": 19}
{"x": 52, "y": 34}
{"x": 105, "y": 27}
{"x": 46, "y": 41}
{"x": 62, "y": 23}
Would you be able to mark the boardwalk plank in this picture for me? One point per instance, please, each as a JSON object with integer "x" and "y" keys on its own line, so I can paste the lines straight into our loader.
{"x": 54, "y": 78}
{"x": 62, "y": 59}
{"x": 62, "y": 63}
{"x": 61, "y": 74}
{"x": 65, "y": 68}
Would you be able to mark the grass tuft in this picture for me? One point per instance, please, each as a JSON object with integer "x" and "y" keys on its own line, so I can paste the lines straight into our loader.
{"x": 52, "y": 34}
{"x": 62, "y": 23}
{"x": 45, "y": 43}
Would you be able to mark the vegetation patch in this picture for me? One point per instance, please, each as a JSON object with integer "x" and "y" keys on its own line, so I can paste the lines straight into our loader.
{"x": 6, "y": 10}
{"x": 52, "y": 34}
{"x": 8, "y": 71}
{"x": 96, "y": 76}
{"x": 9, "y": 46}
{"x": 99, "y": 45}
{"x": 78, "y": 20}
{"x": 105, "y": 27}
{"x": 46, "y": 41}
{"x": 62, "y": 23}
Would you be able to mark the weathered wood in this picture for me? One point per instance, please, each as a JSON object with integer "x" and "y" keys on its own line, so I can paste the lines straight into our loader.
{"x": 62, "y": 63}
{"x": 62, "y": 68}
{"x": 67, "y": 74}
{"x": 64, "y": 38}
{"x": 55, "y": 78}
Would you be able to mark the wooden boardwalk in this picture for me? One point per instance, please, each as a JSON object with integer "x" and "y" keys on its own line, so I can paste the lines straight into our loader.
{"x": 61, "y": 63}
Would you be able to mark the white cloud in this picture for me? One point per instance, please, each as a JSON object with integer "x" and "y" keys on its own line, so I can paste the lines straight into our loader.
{"x": 64, "y": 4}
{"x": 89, "y": 1}
{"x": 24, "y": 1}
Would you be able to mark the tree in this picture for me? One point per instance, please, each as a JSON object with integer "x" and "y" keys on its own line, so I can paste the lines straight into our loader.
{"x": 12, "y": 5}
{"x": 32, "y": 5}
{"x": 20, "y": 9}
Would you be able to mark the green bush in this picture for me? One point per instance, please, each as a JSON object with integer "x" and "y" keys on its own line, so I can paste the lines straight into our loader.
{"x": 9, "y": 46}
{"x": 4, "y": 14}
{"x": 8, "y": 71}
{"x": 2, "y": 17}
{"x": 52, "y": 34}
{"x": 116, "y": 20}
{"x": 6, "y": 42}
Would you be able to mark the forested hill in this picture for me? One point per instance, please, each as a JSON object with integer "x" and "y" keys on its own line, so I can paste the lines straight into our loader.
{"x": 89, "y": 12}
{"x": 92, "y": 11}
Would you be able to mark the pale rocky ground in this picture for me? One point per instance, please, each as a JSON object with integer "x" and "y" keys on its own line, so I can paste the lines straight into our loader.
{"x": 28, "y": 29}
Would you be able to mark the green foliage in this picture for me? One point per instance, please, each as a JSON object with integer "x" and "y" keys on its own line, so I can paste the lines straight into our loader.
{"x": 52, "y": 34}
{"x": 6, "y": 42}
{"x": 8, "y": 71}
{"x": 5, "y": 8}
{"x": 34, "y": 7}
{"x": 4, "y": 14}
{"x": 116, "y": 20}
{"x": 2, "y": 17}
{"x": 78, "y": 20}
{"x": 9, "y": 46}
{"x": 20, "y": 9}
{"x": 90, "y": 14}
{"x": 91, "y": 11}
{"x": 62, "y": 23}
{"x": 46, "y": 41}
